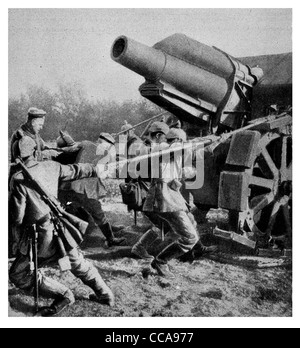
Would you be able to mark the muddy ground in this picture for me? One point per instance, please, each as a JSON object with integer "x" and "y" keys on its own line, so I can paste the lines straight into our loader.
{"x": 206, "y": 288}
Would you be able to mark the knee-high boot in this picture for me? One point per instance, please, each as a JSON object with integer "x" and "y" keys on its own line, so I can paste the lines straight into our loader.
{"x": 140, "y": 250}
{"x": 172, "y": 251}
{"x": 140, "y": 247}
{"x": 103, "y": 294}
{"x": 63, "y": 296}
{"x": 89, "y": 275}
{"x": 109, "y": 235}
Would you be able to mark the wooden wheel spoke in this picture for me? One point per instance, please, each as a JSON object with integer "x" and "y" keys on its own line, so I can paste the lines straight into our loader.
{"x": 270, "y": 163}
{"x": 285, "y": 169}
{"x": 287, "y": 174}
{"x": 262, "y": 182}
{"x": 273, "y": 217}
{"x": 283, "y": 154}
{"x": 260, "y": 202}
{"x": 281, "y": 204}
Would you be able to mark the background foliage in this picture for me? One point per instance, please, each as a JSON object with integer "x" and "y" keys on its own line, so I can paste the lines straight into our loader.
{"x": 70, "y": 109}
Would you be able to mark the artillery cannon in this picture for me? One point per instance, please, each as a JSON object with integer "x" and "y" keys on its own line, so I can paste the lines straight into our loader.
{"x": 247, "y": 182}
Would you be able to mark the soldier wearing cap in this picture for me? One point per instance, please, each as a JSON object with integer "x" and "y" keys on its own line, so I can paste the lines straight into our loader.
{"x": 158, "y": 132}
{"x": 127, "y": 129}
{"x": 133, "y": 143}
{"x": 26, "y": 209}
{"x": 106, "y": 144}
{"x": 33, "y": 126}
{"x": 166, "y": 203}
{"x": 87, "y": 192}
{"x": 176, "y": 135}
{"x": 156, "y": 141}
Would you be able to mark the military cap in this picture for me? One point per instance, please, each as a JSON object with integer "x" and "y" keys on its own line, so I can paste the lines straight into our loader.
{"x": 159, "y": 127}
{"x": 176, "y": 133}
{"x": 107, "y": 137}
{"x": 64, "y": 140}
{"x": 36, "y": 113}
{"x": 126, "y": 127}
{"x": 27, "y": 146}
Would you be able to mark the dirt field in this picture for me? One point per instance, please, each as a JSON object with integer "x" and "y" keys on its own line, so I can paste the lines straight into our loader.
{"x": 205, "y": 288}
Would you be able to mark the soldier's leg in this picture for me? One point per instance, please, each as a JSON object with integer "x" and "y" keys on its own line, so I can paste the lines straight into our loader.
{"x": 199, "y": 249}
{"x": 184, "y": 227}
{"x": 20, "y": 274}
{"x": 147, "y": 239}
{"x": 90, "y": 276}
{"x": 188, "y": 237}
{"x": 140, "y": 249}
{"x": 94, "y": 207}
{"x": 22, "y": 277}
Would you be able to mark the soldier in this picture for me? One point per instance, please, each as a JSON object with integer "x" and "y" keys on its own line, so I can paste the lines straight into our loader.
{"x": 157, "y": 138}
{"x": 27, "y": 208}
{"x": 134, "y": 144}
{"x": 157, "y": 133}
{"x": 165, "y": 202}
{"x": 130, "y": 134}
{"x": 33, "y": 126}
{"x": 88, "y": 192}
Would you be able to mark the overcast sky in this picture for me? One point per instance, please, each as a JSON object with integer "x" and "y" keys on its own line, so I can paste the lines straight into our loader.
{"x": 50, "y": 46}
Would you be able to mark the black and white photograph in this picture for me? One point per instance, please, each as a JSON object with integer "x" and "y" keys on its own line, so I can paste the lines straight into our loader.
{"x": 149, "y": 164}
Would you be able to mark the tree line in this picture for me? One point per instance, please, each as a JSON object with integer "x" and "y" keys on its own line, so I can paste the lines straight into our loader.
{"x": 69, "y": 109}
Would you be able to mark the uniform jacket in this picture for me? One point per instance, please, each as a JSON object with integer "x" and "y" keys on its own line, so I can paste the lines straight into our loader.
{"x": 26, "y": 207}
{"x": 42, "y": 151}
{"x": 93, "y": 188}
{"x": 164, "y": 195}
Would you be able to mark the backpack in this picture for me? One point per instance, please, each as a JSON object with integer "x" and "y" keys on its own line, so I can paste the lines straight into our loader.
{"x": 134, "y": 194}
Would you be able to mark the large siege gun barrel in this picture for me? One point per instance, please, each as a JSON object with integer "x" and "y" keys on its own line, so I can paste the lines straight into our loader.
{"x": 192, "y": 80}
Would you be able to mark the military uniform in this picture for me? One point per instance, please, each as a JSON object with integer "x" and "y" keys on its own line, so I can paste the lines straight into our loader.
{"x": 26, "y": 208}
{"x": 88, "y": 192}
{"x": 42, "y": 151}
{"x": 165, "y": 202}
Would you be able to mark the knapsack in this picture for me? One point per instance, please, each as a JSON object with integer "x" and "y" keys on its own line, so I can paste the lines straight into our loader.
{"x": 134, "y": 194}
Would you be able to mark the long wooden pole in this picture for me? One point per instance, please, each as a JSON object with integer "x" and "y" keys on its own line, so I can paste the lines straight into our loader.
{"x": 141, "y": 123}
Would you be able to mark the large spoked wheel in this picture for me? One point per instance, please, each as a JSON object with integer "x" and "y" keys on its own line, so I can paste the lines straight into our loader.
{"x": 268, "y": 216}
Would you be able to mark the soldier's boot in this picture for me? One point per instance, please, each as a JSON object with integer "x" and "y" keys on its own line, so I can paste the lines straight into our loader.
{"x": 63, "y": 297}
{"x": 139, "y": 249}
{"x": 117, "y": 228}
{"x": 103, "y": 294}
{"x": 203, "y": 250}
{"x": 109, "y": 235}
{"x": 198, "y": 251}
{"x": 172, "y": 251}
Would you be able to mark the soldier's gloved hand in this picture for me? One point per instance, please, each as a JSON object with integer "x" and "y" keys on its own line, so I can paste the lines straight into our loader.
{"x": 101, "y": 171}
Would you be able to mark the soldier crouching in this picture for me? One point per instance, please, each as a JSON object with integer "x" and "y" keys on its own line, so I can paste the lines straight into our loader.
{"x": 27, "y": 208}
